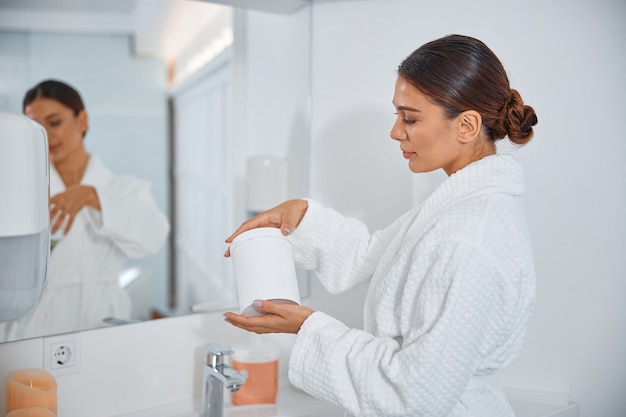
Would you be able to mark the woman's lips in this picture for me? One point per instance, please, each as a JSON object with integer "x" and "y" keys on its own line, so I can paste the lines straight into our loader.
{"x": 53, "y": 148}
{"x": 407, "y": 154}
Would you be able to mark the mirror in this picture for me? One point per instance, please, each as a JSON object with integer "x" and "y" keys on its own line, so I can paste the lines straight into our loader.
{"x": 184, "y": 114}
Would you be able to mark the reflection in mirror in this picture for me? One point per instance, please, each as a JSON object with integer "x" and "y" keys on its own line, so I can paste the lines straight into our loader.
{"x": 185, "y": 114}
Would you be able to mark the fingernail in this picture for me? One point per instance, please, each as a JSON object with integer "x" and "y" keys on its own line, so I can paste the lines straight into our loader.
{"x": 286, "y": 230}
{"x": 257, "y": 303}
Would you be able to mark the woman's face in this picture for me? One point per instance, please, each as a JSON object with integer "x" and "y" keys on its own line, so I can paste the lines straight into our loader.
{"x": 428, "y": 139}
{"x": 65, "y": 130}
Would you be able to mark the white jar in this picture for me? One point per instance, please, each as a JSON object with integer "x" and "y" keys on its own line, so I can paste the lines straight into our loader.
{"x": 264, "y": 268}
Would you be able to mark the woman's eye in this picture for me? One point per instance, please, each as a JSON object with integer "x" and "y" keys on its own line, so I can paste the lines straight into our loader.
{"x": 405, "y": 120}
{"x": 55, "y": 123}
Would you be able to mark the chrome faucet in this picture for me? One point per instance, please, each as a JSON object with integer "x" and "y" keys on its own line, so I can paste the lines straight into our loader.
{"x": 216, "y": 377}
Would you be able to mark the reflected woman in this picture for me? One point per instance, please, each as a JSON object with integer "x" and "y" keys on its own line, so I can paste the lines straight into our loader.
{"x": 98, "y": 221}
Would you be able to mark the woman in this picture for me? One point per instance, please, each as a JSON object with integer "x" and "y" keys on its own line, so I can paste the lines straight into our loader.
{"x": 101, "y": 220}
{"x": 452, "y": 282}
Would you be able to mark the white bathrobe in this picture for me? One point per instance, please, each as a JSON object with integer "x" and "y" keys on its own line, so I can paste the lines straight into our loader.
{"x": 83, "y": 273}
{"x": 452, "y": 286}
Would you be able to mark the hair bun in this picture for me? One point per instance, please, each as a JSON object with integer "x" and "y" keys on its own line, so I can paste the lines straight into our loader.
{"x": 519, "y": 119}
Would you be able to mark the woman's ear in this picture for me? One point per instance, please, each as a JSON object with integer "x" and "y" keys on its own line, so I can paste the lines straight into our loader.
{"x": 83, "y": 122}
{"x": 469, "y": 125}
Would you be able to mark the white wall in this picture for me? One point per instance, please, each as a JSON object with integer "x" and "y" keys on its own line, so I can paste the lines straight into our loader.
{"x": 568, "y": 60}
{"x": 277, "y": 83}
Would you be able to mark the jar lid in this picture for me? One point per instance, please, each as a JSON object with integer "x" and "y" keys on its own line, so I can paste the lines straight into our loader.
{"x": 255, "y": 351}
{"x": 259, "y": 232}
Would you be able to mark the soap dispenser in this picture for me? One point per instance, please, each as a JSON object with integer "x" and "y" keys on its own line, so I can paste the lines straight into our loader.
{"x": 25, "y": 220}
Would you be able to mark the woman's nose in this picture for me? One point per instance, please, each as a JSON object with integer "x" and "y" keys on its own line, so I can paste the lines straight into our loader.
{"x": 396, "y": 132}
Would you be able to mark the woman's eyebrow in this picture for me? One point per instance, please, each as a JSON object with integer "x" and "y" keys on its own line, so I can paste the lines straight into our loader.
{"x": 407, "y": 108}
{"x": 51, "y": 115}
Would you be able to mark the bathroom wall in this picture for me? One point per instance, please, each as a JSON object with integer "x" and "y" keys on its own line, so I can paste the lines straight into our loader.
{"x": 568, "y": 60}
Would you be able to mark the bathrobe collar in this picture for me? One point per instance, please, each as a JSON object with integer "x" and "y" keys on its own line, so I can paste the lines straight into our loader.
{"x": 499, "y": 173}
{"x": 96, "y": 174}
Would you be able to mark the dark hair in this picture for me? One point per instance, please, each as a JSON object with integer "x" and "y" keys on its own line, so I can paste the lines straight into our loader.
{"x": 461, "y": 73}
{"x": 56, "y": 90}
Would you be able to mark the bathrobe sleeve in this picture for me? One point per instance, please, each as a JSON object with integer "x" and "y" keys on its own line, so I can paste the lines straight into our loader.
{"x": 129, "y": 216}
{"x": 349, "y": 251}
{"x": 451, "y": 321}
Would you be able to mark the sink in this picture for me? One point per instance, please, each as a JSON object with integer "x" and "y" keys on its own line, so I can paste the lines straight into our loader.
{"x": 260, "y": 411}
{"x": 295, "y": 403}
{"x": 291, "y": 402}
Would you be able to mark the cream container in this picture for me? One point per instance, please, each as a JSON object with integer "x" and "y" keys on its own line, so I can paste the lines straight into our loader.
{"x": 264, "y": 269}
{"x": 258, "y": 360}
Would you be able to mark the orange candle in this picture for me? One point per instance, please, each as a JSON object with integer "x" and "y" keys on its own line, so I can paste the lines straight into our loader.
{"x": 32, "y": 412}
{"x": 29, "y": 388}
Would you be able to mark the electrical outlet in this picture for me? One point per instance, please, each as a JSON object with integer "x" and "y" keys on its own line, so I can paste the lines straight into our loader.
{"x": 62, "y": 354}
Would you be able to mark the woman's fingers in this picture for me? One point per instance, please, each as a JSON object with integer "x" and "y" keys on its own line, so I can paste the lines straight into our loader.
{"x": 293, "y": 216}
{"x": 55, "y": 218}
{"x": 65, "y": 205}
{"x": 62, "y": 213}
{"x": 70, "y": 221}
{"x": 267, "y": 218}
{"x": 60, "y": 216}
{"x": 285, "y": 216}
{"x": 257, "y": 221}
{"x": 277, "y": 318}
{"x": 256, "y": 324}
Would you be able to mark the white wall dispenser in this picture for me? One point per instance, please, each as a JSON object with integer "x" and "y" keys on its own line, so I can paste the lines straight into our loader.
{"x": 24, "y": 214}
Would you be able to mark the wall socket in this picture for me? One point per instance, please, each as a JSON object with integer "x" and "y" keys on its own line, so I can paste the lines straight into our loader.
{"x": 62, "y": 354}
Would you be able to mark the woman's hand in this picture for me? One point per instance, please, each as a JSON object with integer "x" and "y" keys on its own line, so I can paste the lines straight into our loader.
{"x": 65, "y": 205}
{"x": 278, "y": 318}
{"x": 285, "y": 216}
